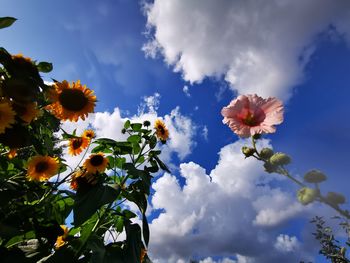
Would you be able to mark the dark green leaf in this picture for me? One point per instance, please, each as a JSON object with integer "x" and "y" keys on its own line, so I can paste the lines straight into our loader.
{"x": 161, "y": 164}
{"x": 6, "y": 21}
{"x": 44, "y": 67}
{"x": 145, "y": 229}
{"x": 153, "y": 142}
{"x": 87, "y": 203}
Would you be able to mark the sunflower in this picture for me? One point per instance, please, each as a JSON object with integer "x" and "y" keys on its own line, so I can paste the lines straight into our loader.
{"x": 89, "y": 134}
{"x": 77, "y": 145}
{"x": 7, "y": 115}
{"x": 41, "y": 168}
{"x": 21, "y": 90}
{"x": 81, "y": 177}
{"x": 96, "y": 163}
{"x": 161, "y": 130}
{"x": 61, "y": 240}
{"x": 27, "y": 112}
{"x": 72, "y": 101}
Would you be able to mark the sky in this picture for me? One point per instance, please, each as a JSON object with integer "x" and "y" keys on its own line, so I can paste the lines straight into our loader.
{"x": 182, "y": 61}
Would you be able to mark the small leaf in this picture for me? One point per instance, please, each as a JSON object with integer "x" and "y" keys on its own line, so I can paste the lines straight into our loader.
{"x": 44, "y": 67}
{"x": 127, "y": 124}
{"x": 6, "y": 21}
{"x": 134, "y": 138}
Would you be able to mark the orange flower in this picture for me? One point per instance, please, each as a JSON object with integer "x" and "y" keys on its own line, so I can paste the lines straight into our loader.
{"x": 77, "y": 145}
{"x": 89, "y": 134}
{"x": 12, "y": 153}
{"x": 41, "y": 168}
{"x": 61, "y": 240}
{"x": 161, "y": 130}
{"x": 96, "y": 163}
{"x": 7, "y": 115}
{"x": 71, "y": 101}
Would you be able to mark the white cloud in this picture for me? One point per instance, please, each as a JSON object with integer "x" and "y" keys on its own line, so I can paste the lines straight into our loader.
{"x": 257, "y": 46}
{"x": 286, "y": 243}
{"x": 226, "y": 217}
{"x": 109, "y": 125}
{"x": 186, "y": 90}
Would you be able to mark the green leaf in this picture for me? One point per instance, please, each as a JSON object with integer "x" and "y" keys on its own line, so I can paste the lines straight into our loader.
{"x": 128, "y": 214}
{"x": 134, "y": 138}
{"x": 119, "y": 162}
{"x": 87, "y": 203}
{"x": 106, "y": 141}
{"x": 161, "y": 164}
{"x": 136, "y": 127}
{"x": 6, "y": 21}
{"x": 44, "y": 67}
{"x": 120, "y": 224}
{"x": 62, "y": 208}
{"x": 127, "y": 124}
{"x": 152, "y": 142}
{"x": 136, "y": 148}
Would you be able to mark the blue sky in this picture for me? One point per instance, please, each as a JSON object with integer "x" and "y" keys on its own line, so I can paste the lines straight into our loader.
{"x": 297, "y": 51}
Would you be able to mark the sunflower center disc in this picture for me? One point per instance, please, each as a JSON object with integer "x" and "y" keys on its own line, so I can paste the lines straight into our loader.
{"x": 41, "y": 167}
{"x": 72, "y": 99}
{"x": 96, "y": 160}
{"x": 77, "y": 142}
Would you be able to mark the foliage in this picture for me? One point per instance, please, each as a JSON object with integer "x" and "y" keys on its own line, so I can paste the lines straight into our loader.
{"x": 35, "y": 206}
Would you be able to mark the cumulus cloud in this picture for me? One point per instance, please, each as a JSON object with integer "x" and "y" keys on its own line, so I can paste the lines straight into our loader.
{"x": 257, "y": 46}
{"x": 236, "y": 215}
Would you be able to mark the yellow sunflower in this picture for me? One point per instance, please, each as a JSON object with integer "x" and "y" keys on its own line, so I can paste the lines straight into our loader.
{"x": 61, "y": 240}
{"x": 27, "y": 112}
{"x": 161, "y": 130}
{"x": 96, "y": 163}
{"x": 89, "y": 134}
{"x": 82, "y": 177}
{"x": 7, "y": 115}
{"x": 77, "y": 145}
{"x": 41, "y": 168}
{"x": 72, "y": 101}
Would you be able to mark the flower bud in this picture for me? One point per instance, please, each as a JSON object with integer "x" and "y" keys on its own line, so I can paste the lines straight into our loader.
{"x": 335, "y": 198}
{"x": 266, "y": 153}
{"x": 280, "y": 159}
{"x": 123, "y": 131}
{"x": 247, "y": 151}
{"x": 270, "y": 168}
{"x": 146, "y": 123}
{"x": 315, "y": 176}
{"x": 307, "y": 195}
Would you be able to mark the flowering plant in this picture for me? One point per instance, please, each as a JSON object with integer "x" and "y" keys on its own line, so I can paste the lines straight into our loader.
{"x": 253, "y": 116}
{"x": 39, "y": 196}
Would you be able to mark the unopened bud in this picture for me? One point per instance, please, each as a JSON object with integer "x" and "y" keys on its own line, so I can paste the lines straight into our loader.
{"x": 247, "y": 151}
{"x": 280, "y": 159}
{"x": 146, "y": 123}
{"x": 315, "y": 176}
{"x": 123, "y": 131}
{"x": 266, "y": 153}
{"x": 335, "y": 198}
{"x": 307, "y": 195}
{"x": 270, "y": 168}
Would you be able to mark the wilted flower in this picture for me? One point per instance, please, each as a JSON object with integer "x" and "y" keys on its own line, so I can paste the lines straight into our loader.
{"x": 250, "y": 114}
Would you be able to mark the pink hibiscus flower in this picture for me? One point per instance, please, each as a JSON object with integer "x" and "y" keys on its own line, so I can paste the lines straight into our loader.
{"x": 250, "y": 114}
